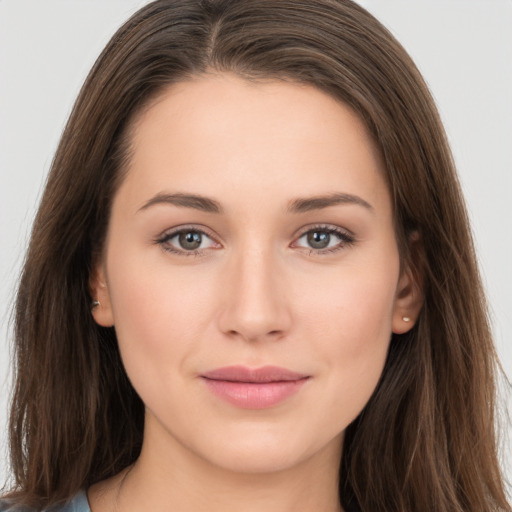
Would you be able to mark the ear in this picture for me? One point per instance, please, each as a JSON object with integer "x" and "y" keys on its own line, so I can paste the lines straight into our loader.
{"x": 101, "y": 306}
{"x": 409, "y": 293}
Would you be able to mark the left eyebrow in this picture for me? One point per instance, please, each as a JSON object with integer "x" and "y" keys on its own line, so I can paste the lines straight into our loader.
{"x": 301, "y": 205}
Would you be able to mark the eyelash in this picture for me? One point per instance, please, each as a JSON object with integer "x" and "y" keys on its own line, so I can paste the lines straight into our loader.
{"x": 346, "y": 240}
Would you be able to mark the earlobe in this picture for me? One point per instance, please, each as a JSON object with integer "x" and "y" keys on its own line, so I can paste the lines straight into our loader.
{"x": 408, "y": 302}
{"x": 101, "y": 308}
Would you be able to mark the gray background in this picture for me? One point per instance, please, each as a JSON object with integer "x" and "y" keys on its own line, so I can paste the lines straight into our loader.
{"x": 463, "y": 48}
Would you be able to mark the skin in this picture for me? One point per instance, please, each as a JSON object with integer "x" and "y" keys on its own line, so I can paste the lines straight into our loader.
{"x": 254, "y": 294}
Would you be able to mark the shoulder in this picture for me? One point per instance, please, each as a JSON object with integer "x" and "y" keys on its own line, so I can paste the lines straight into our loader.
{"x": 78, "y": 503}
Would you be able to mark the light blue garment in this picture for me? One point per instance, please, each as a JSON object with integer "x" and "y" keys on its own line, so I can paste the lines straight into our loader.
{"x": 78, "y": 504}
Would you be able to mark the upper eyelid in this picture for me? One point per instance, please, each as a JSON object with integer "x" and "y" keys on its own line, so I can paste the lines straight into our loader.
{"x": 326, "y": 227}
{"x": 208, "y": 232}
{"x": 171, "y": 232}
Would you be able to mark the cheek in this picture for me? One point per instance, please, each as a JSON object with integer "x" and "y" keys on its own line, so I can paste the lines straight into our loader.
{"x": 350, "y": 323}
{"x": 160, "y": 314}
{"x": 355, "y": 304}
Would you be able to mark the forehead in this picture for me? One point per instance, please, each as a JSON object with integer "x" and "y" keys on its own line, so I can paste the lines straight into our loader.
{"x": 220, "y": 134}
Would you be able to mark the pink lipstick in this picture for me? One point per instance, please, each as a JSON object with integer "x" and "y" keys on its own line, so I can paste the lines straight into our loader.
{"x": 257, "y": 388}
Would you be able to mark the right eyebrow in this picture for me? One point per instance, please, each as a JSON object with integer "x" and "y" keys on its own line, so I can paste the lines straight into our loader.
{"x": 194, "y": 201}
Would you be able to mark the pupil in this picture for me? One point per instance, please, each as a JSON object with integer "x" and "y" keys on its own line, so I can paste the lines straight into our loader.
{"x": 319, "y": 239}
{"x": 190, "y": 240}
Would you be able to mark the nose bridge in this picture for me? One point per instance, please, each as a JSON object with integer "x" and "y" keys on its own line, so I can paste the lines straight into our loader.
{"x": 255, "y": 305}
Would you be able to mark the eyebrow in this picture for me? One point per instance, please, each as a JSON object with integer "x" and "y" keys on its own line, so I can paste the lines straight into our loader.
{"x": 196, "y": 202}
{"x": 299, "y": 205}
{"x": 302, "y": 205}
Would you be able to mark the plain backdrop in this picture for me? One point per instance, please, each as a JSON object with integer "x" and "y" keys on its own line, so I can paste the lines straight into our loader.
{"x": 463, "y": 48}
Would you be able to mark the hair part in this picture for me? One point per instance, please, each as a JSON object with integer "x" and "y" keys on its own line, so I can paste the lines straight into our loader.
{"x": 426, "y": 439}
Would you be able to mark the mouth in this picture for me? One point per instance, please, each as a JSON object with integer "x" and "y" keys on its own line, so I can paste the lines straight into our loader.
{"x": 254, "y": 388}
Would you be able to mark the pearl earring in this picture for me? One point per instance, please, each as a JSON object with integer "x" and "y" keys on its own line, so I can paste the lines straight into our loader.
{"x": 406, "y": 319}
{"x": 95, "y": 304}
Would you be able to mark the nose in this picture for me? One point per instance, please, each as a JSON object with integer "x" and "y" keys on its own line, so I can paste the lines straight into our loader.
{"x": 255, "y": 305}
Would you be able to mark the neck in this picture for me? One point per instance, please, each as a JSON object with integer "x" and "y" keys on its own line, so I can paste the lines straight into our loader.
{"x": 301, "y": 489}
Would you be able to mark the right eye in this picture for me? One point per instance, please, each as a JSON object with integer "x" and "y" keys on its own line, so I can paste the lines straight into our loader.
{"x": 187, "y": 242}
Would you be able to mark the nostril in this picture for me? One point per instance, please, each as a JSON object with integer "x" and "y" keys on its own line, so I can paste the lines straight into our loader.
{"x": 253, "y": 336}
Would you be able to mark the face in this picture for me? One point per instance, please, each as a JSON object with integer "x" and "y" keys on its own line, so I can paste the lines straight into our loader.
{"x": 251, "y": 272}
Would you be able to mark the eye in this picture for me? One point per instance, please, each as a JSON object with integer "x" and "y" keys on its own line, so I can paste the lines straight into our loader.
{"x": 187, "y": 241}
{"x": 324, "y": 239}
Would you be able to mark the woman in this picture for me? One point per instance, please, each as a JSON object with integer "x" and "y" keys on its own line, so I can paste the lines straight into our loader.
{"x": 251, "y": 282}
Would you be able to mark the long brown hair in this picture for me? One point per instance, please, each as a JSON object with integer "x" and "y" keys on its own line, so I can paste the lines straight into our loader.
{"x": 426, "y": 439}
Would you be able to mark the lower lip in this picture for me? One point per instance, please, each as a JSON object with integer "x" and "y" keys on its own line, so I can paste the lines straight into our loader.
{"x": 260, "y": 395}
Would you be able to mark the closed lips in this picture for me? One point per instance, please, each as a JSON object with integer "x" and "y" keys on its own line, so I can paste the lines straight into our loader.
{"x": 260, "y": 388}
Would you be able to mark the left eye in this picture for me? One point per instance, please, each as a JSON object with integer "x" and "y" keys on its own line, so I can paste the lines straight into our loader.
{"x": 323, "y": 238}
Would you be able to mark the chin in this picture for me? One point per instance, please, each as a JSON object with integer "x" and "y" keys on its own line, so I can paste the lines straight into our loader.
{"x": 258, "y": 460}
{"x": 257, "y": 451}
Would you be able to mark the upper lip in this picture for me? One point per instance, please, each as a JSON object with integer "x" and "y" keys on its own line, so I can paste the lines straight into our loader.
{"x": 254, "y": 375}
